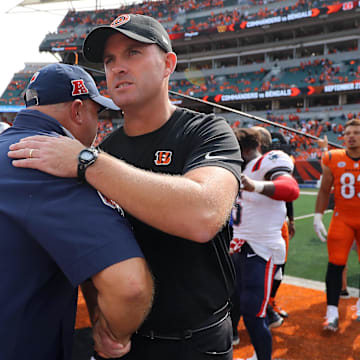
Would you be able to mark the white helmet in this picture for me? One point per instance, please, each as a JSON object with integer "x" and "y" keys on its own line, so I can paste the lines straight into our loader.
{"x": 3, "y": 126}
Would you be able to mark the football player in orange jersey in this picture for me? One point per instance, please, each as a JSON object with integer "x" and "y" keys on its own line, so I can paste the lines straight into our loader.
{"x": 341, "y": 169}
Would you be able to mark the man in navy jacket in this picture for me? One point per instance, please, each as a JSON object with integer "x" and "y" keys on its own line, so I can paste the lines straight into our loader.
{"x": 58, "y": 233}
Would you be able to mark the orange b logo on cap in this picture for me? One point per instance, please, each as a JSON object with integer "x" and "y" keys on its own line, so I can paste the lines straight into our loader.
{"x": 120, "y": 20}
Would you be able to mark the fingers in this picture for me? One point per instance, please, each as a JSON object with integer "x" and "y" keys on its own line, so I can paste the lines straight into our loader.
{"x": 111, "y": 350}
{"x": 27, "y": 163}
{"x": 31, "y": 142}
{"x": 25, "y": 158}
{"x": 321, "y": 233}
{"x": 107, "y": 352}
{"x": 322, "y": 238}
{"x": 39, "y": 138}
{"x": 246, "y": 183}
{"x": 24, "y": 153}
{"x": 105, "y": 345}
{"x": 25, "y": 149}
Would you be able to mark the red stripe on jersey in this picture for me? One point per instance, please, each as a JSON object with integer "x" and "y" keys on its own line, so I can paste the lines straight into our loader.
{"x": 269, "y": 276}
{"x": 258, "y": 164}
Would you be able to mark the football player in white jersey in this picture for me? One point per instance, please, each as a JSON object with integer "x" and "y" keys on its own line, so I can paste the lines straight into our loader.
{"x": 257, "y": 244}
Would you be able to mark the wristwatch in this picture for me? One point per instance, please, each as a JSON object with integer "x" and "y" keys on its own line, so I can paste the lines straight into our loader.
{"x": 87, "y": 157}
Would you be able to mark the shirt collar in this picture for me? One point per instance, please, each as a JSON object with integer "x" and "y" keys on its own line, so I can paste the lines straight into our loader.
{"x": 34, "y": 119}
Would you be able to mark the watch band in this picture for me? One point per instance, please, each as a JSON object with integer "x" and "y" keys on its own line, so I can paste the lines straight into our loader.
{"x": 86, "y": 158}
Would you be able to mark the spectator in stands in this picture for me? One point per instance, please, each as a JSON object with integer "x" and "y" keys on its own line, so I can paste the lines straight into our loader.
{"x": 177, "y": 190}
{"x": 59, "y": 233}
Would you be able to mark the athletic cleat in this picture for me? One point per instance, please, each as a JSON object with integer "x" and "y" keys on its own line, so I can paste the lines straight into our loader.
{"x": 277, "y": 308}
{"x": 331, "y": 322}
{"x": 274, "y": 319}
{"x": 331, "y": 325}
{"x": 344, "y": 294}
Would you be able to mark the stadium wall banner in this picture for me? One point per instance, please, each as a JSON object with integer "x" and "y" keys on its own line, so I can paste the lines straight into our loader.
{"x": 281, "y": 93}
{"x": 291, "y": 16}
{"x": 11, "y": 108}
{"x": 66, "y": 48}
{"x": 307, "y": 171}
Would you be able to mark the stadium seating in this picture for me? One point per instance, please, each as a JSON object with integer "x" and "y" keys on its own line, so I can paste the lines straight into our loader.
{"x": 242, "y": 65}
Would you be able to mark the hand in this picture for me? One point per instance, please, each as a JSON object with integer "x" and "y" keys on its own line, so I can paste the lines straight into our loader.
{"x": 105, "y": 344}
{"x": 319, "y": 227}
{"x": 54, "y": 155}
{"x": 291, "y": 227}
{"x": 323, "y": 143}
{"x": 246, "y": 183}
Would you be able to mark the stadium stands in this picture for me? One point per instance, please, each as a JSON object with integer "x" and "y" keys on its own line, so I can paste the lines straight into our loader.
{"x": 294, "y": 62}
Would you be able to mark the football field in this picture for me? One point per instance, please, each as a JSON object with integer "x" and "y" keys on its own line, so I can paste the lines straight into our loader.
{"x": 307, "y": 256}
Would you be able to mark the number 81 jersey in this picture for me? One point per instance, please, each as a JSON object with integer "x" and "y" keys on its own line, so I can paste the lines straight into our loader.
{"x": 346, "y": 172}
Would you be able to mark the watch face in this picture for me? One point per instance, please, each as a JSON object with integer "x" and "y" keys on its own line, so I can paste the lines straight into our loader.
{"x": 87, "y": 155}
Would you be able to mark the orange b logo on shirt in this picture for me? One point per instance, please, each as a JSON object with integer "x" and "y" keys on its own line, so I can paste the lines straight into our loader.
{"x": 163, "y": 157}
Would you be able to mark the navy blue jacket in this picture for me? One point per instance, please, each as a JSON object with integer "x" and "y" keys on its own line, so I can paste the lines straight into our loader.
{"x": 55, "y": 233}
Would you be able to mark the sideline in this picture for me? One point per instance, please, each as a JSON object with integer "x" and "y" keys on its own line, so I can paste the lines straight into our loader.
{"x": 314, "y": 193}
{"x": 313, "y": 284}
{"x": 310, "y": 215}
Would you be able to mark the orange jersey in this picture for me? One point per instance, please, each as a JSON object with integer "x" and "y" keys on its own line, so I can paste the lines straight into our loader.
{"x": 346, "y": 172}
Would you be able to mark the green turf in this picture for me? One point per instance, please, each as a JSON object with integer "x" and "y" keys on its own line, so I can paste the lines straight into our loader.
{"x": 305, "y": 204}
{"x": 307, "y": 256}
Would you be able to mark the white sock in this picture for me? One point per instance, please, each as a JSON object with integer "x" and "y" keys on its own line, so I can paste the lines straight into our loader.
{"x": 332, "y": 312}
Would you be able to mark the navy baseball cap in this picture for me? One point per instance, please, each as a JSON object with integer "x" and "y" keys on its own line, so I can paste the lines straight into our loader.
{"x": 58, "y": 83}
{"x": 141, "y": 28}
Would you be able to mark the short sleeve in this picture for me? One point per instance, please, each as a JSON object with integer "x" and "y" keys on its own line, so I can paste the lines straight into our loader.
{"x": 276, "y": 161}
{"x": 326, "y": 158}
{"x": 215, "y": 144}
{"x": 83, "y": 235}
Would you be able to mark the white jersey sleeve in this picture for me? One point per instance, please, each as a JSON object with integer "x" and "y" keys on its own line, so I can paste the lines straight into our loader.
{"x": 271, "y": 163}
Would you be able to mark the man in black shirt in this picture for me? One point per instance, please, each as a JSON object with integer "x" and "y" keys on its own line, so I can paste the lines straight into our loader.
{"x": 177, "y": 179}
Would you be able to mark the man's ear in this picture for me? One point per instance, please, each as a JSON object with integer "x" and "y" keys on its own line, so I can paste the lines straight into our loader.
{"x": 76, "y": 108}
{"x": 170, "y": 62}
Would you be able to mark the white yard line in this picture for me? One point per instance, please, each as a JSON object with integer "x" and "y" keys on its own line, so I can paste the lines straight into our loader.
{"x": 308, "y": 193}
{"x": 313, "y": 284}
{"x": 310, "y": 215}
